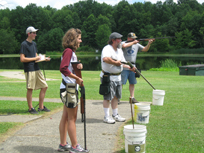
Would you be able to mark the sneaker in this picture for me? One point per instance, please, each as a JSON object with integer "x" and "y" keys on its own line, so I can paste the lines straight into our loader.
{"x": 67, "y": 147}
{"x": 33, "y": 111}
{"x": 78, "y": 149}
{"x": 119, "y": 118}
{"x": 134, "y": 101}
{"x": 44, "y": 109}
{"x": 109, "y": 120}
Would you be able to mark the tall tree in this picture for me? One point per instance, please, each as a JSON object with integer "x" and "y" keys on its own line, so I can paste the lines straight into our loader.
{"x": 51, "y": 41}
{"x": 184, "y": 39}
{"x": 102, "y": 35}
{"x": 8, "y": 42}
{"x": 90, "y": 27}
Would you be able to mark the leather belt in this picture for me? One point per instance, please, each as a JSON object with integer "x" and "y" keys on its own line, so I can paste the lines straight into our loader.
{"x": 112, "y": 73}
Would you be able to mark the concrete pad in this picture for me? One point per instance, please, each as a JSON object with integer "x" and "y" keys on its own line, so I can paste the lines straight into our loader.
{"x": 18, "y": 118}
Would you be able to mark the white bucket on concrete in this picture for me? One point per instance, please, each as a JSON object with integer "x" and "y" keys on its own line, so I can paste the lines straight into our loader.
{"x": 141, "y": 112}
{"x": 158, "y": 97}
{"x": 135, "y": 138}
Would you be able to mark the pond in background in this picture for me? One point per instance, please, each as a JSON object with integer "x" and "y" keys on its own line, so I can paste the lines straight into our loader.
{"x": 94, "y": 62}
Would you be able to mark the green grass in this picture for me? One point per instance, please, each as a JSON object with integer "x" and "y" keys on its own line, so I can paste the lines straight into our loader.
{"x": 5, "y": 126}
{"x": 21, "y": 107}
{"x": 175, "y": 127}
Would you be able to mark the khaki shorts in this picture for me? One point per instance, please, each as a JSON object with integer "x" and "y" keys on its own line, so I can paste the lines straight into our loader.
{"x": 35, "y": 80}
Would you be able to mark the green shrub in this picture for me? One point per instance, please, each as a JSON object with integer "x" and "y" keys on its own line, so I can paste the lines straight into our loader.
{"x": 168, "y": 65}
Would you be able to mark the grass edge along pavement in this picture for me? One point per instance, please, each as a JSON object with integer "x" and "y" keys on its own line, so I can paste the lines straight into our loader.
{"x": 11, "y": 127}
{"x": 177, "y": 126}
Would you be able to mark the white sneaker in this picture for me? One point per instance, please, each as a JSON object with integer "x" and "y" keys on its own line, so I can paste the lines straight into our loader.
{"x": 119, "y": 118}
{"x": 109, "y": 120}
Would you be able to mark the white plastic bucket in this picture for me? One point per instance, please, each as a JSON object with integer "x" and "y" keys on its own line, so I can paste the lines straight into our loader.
{"x": 135, "y": 138}
{"x": 158, "y": 97}
{"x": 141, "y": 112}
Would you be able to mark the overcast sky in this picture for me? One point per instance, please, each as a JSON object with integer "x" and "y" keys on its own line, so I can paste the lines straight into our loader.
{"x": 58, "y": 4}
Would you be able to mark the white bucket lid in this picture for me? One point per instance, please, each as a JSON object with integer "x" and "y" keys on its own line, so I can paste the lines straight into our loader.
{"x": 137, "y": 128}
{"x": 159, "y": 92}
{"x": 143, "y": 106}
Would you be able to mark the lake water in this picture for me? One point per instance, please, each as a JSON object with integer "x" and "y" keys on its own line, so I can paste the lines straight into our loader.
{"x": 94, "y": 62}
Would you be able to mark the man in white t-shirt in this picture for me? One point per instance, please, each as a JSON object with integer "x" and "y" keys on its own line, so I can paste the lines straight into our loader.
{"x": 111, "y": 58}
{"x": 130, "y": 49}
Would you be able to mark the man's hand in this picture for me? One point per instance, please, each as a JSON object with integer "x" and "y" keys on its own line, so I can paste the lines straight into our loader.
{"x": 135, "y": 41}
{"x": 118, "y": 63}
{"x": 37, "y": 58}
{"x": 47, "y": 59}
{"x": 151, "y": 41}
{"x": 109, "y": 60}
{"x": 132, "y": 69}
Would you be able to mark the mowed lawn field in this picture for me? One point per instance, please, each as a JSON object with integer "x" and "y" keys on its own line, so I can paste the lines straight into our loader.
{"x": 175, "y": 127}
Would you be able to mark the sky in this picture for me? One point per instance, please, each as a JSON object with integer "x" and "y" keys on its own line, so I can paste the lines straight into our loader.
{"x": 58, "y": 4}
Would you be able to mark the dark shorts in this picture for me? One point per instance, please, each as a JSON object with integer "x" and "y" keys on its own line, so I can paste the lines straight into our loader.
{"x": 115, "y": 90}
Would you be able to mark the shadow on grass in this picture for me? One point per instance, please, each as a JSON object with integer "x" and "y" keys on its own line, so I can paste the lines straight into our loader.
{"x": 5, "y": 112}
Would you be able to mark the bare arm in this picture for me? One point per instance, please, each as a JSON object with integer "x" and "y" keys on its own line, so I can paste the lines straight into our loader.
{"x": 109, "y": 60}
{"x": 146, "y": 48}
{"x": 78, "y": 80}
{"x": 128, "y": 44}
{"x": 24, "y": 59}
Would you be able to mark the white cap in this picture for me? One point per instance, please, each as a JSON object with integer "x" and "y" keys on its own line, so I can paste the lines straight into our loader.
{"x": 31, "y": 29}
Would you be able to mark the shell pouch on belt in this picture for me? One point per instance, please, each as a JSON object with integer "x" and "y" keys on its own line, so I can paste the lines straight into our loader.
{"x": 69, "y": 96}
{"x": 105, "y": 86}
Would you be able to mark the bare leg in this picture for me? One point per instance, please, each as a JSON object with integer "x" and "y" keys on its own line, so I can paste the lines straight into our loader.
{"x": 41, "y": 97}
{"x": 63, "y": 127}
{"x": 114, "y": 103}
{"x": 29, "y": 98}
{"x": 131, "y": 88}
{"x": 72, "y": 116}
{"x": 106, "y": 104}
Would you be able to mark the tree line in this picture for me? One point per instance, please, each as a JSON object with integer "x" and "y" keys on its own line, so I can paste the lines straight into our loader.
{"x": 184, "y": 20}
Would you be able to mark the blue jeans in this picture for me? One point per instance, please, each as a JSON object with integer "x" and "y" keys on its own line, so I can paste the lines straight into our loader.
{"x": 128, "y": 75}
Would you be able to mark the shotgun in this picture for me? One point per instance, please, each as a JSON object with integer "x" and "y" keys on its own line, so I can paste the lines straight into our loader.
{"x": 147, "y": 39}
{"x": 128, "y": 63}
{"x": 82, "y": 99}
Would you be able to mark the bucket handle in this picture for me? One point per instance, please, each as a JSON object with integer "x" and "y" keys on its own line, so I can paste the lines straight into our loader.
{"x": 133, "y": 141}
{"x": 157, "y": 98}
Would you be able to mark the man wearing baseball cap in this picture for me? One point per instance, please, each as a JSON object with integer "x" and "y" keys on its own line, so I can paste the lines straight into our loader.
{"x": 34, "y": 77}
{"x": 111, "y": 85}
{"x": 130, "y": 49}
{"x": 31, "y": 29}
